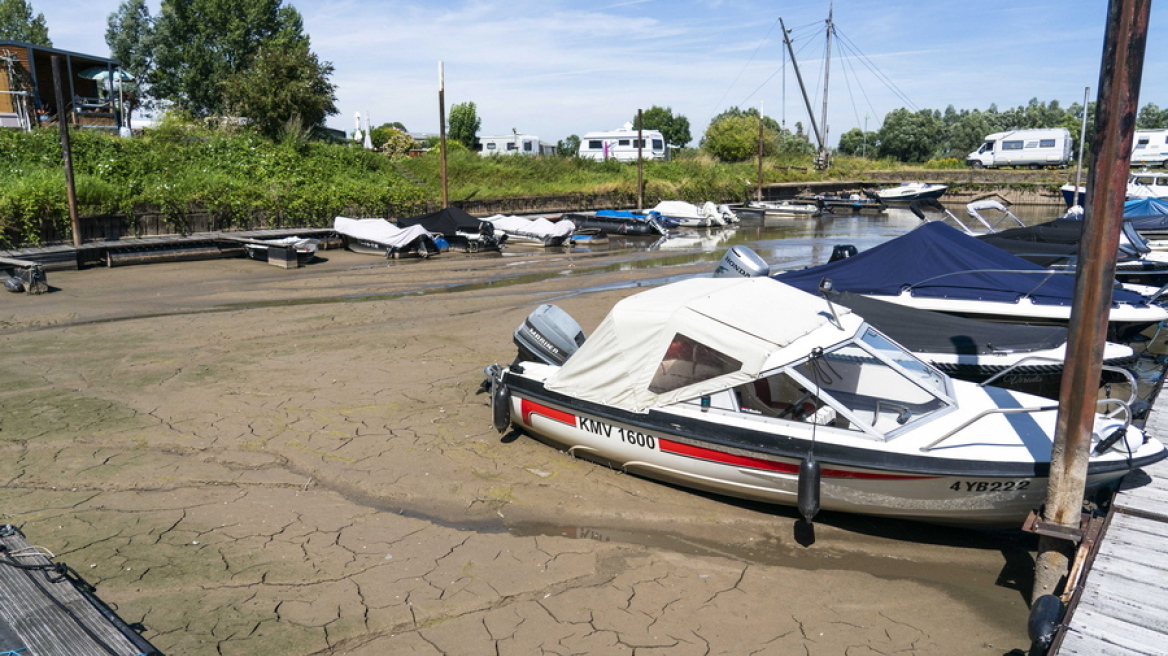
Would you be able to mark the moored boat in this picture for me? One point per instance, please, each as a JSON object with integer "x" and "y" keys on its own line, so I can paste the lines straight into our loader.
{"x": 537, "y": 231}
{"x": 619, "y": 223}
{"x": 753, "y": 389}
{"x": 907, "y": 192}
{"x": 305, "y": 248}
{"x": 460, "y": 230}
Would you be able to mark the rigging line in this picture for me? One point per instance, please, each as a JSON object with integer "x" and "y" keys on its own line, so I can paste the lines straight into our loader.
{"x": 759, "y": 88}
{"x": 876, "y": 69}
{"x": 851, "y": 96}
{"x": 851, "y": 65}
{"x": 752, "y": 55}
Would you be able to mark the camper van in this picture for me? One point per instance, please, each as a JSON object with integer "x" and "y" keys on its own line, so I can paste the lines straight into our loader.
{"x": 622, "y": 145}
{"x": 1032, "y": 148}
{"x": 1150, "y": 148}
{"x": 515, "y": 144}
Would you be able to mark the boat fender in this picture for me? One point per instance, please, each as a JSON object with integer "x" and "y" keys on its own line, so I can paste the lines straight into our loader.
{"x": 1045, "y": 614}
{"x": 500, "y": 405}
{"x": 809, "y": 475}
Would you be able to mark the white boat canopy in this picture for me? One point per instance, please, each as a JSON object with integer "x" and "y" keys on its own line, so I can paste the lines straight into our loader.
{"x": 378, "y": 230}
{"x": 539, "y": 227}
{"x": 697, "y": 337}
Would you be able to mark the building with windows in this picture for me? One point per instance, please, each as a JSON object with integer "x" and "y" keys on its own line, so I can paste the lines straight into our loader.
{"x": 515, "y": 144}
{"x": 624, "y": 145}
{"x": 91, "y": 87}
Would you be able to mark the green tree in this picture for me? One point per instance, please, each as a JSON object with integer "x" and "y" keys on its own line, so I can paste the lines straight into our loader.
{"x": 911, "y": 137}
{"x": 283, "y": 82}
{"x": 201, "y": 44}
{"x": 130, "y": 36}
{"x": 382, "y": 133}
{"x": 675, "y": 129}
{"x": 735, "y": 138}
{"x": 397, "y": 143}
{"x": 18, "y": 24}
{"x": 857, "y": 142}
{"x": 464, "y": 124}
{"x": 1151, "y": 117}
{"x": 569, "y": 146}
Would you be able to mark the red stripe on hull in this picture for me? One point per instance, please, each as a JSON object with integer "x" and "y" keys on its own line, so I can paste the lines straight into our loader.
{"x": 677, "y": 448}
{"x": 528, "y": 408}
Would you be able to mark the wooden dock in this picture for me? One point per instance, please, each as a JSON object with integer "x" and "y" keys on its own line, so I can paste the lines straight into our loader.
{"x": 1122, "y": 607}
{"x": 45, "y": 608}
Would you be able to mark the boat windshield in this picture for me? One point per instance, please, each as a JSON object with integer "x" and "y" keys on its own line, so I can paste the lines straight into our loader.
{"x": 923, "y": 372}
{"x": 882, "y": 394}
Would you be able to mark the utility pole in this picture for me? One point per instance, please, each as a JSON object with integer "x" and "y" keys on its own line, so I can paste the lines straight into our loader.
{"x": 758, "y": 191}
{"x": 824, "y": 157}
{"x": 442, "y": 131}
{"x": 640, "y": 165}
{"x": 66, "y": 152}
{"x": 1115, "y": 117}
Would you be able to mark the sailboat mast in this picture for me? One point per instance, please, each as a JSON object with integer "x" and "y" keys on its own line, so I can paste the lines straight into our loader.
{"x": 823, "y": 155}
{"x": 799, "y": 78}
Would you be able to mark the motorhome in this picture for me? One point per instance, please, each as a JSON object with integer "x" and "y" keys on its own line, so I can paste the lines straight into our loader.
{"x": 1150, "y": 148}
{"x": 623, "y": 144}
{"x": 515, "y": 144}
{"x": 1032, "y": 148}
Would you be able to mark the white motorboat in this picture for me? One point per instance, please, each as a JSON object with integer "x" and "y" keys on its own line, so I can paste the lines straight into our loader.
{"x": 688, "y": 215}
{"x": 750, "y": 388}
{"x": 909, "y": 191}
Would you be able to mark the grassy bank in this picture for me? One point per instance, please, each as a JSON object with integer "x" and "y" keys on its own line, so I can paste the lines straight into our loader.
{"x": 245, "y": 181}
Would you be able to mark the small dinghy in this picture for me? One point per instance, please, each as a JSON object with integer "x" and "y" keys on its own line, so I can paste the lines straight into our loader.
{"x": 751, "y": 388}
{"x": 305, "y": 248}
{"x": 688, "y": 215}
{"x": 532, "y": 232}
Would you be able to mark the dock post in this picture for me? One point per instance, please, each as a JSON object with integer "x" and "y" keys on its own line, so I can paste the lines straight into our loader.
{"x": 66, "y": 151}
{"x": 1115, "y": 117}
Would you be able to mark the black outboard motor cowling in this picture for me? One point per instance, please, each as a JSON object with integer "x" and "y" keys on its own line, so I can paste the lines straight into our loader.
{"x": 842, "y": 251}
{"x": 548, "y": 335}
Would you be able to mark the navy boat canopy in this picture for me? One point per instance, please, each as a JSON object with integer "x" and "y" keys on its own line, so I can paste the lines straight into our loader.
{"x": 446, "y": 221}
{"x": 937, "y": 261}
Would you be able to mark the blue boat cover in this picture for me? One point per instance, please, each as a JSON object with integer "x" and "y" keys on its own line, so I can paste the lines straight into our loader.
{"x": 1145, "y": 207}
{"x": 937, "y": 261}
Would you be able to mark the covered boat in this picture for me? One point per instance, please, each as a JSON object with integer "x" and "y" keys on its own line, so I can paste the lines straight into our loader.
{"x": 537, "y": 232}
{"x": 629, "y": 224}
{"x": 936, "y": 267}
{"x": 380, "y": 237}
{"x": 305, "y": 248}
{"x": 461, "y": 230}
{"x": 688, "y": 215}
{"x": 737, "y": 385}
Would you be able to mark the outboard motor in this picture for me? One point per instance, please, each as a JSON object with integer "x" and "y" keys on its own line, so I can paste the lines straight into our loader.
{"x": 741, "y": 262}
{"x": 548, "y": 335}
{"x": 842, "y": 251}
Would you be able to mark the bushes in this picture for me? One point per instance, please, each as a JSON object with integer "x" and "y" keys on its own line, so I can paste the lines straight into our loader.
{"x": 242, "y": 179}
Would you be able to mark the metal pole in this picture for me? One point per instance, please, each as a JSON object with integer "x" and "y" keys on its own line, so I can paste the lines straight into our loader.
{"x": 1082, "y": 146}
{"x": 442, "y": 131}
{"x": 758, "y": 190}
{"x": 66, "y": 152}
{"x": 826, "y": 70}
{"x": 1115, "y": 118}
{"x": 640, "y": 165}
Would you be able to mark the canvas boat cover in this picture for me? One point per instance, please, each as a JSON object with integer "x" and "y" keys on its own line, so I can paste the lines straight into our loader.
{"x": 449, "y": 221}
{"x": 937, "y": 261}
{"x": 683, "y": 210}
{"x": 1147, "y": 213}
{"x": 379, "y": 231}
{"x": 922, "y": 331}
{"x": 540, "y": 227}
{"x": 757, "y": 322}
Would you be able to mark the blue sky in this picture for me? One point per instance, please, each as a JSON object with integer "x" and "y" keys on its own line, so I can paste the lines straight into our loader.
{"x": 554, "y": 68}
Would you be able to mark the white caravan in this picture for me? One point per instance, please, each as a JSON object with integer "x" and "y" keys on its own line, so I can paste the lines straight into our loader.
{"x": 1033, "y": 148}
{"x": 515, "y": 144}
{"x": 1150, "y": 148}
{"x": 622, "y": 145}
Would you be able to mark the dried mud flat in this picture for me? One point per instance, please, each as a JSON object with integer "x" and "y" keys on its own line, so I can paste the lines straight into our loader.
{"x": 256, "y": 461}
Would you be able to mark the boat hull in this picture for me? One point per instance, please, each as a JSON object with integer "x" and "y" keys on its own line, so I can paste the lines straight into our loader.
{"x": 733, "y": 461}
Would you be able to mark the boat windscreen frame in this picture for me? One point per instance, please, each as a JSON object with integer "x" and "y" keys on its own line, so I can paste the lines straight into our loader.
{"x": 945, "y": 395}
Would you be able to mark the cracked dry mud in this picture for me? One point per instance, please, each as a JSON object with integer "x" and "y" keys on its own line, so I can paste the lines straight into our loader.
{"x": 249, "y": 476}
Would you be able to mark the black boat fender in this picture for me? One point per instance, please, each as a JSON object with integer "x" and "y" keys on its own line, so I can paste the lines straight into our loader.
{"x": 501, "y": 406}
{"x": 809, "y": 476}
{"x": 1045, "y": 614}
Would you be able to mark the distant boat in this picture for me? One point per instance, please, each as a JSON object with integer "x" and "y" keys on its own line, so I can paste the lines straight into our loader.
{"x": 910, "y": 191}
{"x": 380, "y": 237}
{"x": 1140, "y": 184}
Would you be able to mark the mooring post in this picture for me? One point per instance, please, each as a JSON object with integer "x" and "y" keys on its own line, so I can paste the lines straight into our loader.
{"x": 442, "y": 131}
{"x": 1115, "y": 118}
{"x": 66, "y": 152}
{"x": 640, "y": 164}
